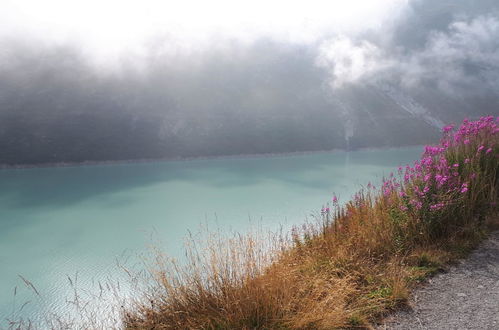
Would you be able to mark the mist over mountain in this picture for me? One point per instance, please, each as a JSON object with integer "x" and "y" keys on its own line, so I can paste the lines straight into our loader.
{"x": 396, "y": 84}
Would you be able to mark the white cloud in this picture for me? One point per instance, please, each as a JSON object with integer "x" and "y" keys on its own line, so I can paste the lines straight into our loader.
{"x": 114, "y": 26}
{"x": 467, "y": 55}
{"x": 348, "y": 61}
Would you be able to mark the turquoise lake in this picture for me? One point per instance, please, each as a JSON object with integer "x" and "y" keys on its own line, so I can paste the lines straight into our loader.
{"x": 77, "y": 221}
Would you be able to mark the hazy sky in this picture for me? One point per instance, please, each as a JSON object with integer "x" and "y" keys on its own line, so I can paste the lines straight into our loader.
{"x": 451, "y": 43}
{"x": 108, "y": 28}
{"x": 181, "y": 71}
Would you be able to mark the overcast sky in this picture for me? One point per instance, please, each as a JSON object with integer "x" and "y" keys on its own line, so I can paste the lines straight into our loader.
{"x": 107, "y": 28}
{"x": 171, "y": 74}
{"x": 452, "y": 43}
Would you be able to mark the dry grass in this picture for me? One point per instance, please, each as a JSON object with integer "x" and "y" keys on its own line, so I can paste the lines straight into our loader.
{"x": 346, "y": 277}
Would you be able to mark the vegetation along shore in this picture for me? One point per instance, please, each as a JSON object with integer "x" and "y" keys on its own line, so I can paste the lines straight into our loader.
{"x": 359, "y": 262}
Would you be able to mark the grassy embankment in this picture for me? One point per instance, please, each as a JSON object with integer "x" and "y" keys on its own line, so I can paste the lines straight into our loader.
{"x": 360, "y": 262}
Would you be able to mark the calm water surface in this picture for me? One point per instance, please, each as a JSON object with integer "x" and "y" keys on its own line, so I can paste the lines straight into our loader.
{"x": 76, "y": 221}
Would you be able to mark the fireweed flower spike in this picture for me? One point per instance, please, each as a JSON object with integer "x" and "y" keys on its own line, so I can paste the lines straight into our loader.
{"x": 448, "y": 128}
{"x": 433, "y": 182}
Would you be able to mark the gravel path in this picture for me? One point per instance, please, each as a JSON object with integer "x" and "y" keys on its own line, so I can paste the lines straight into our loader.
{"x": 465, "y": 297}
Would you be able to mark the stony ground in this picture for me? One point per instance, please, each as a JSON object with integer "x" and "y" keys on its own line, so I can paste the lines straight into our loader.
{"x": 464, "y": 297}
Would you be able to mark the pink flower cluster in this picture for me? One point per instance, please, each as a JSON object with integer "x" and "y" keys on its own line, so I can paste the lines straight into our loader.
{"x": 441, "y": 176}
{"x": 446, "y": 175}
{"x": 473, "y": 129}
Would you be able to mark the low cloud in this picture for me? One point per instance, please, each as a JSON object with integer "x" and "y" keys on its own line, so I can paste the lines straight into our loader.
{"x": 466, "y": 55}
{"x": 464, "y": 58}
{"x": 349, "y": 62}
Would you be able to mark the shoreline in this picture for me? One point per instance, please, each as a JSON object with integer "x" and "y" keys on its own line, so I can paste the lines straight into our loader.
{"x": 180, "y": 159}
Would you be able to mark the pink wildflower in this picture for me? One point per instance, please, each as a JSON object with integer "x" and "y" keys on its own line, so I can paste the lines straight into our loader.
{"x": 417, "y": 204}
{"x": 448, "y": 128}
{"x": 436, "y": 207}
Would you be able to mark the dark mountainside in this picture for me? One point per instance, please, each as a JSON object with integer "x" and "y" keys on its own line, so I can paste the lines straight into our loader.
{"x": 264, "y": 97}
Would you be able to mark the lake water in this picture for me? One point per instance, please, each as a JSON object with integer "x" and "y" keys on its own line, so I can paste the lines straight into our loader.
{"x": 76, "y": 221}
